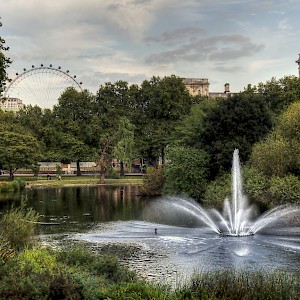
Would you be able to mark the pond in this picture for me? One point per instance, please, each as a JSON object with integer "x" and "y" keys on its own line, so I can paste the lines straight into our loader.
{"x": 165, "y": 250}
{"x": 74, "y": 209}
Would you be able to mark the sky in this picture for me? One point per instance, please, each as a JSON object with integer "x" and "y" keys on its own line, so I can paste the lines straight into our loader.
{"x": 239, "y": 42}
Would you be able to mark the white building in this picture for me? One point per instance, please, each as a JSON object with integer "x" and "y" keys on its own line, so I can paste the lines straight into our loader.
{"x": 11, "y": 104}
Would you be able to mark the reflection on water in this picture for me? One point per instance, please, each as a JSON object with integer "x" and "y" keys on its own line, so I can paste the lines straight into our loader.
{"x": 72, "y": 209}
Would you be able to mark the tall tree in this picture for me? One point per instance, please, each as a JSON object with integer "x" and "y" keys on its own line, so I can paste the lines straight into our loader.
{"x": 72, "y": 120}
{"x": 279, "y": 153}
{"x": 18, "y": 150}
{"x": 124, "y": 149}
{"x": 191, "y": 128}
{"x": 112, "y": 101}
{"x": 4, "y": 63}
{"x": 280, "y": 93}
{"x": 187, "y": 171}
{"x": 160, "y": 105}
{"x": 237, "y": 122}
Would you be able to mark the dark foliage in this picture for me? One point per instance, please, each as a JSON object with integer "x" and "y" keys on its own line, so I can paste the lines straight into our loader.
{"x": 237, "y": 122}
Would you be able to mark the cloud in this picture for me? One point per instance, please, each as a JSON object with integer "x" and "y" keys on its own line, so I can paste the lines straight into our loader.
{"x": 231, "y": 68}
{"x": 169, "y": 37}
{"x": 284, "y": 25}
{"x": 219, "y": 48}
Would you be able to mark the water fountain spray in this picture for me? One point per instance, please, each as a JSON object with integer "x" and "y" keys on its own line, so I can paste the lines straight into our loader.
{"x": 238, "y": 217}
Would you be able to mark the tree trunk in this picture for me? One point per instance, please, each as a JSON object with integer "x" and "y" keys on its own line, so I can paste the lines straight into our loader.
{"x": 121, "y": 168}
{"x": 11, "y": 175}
{"x": 103, "y": 162}
{"x": 78, "y": 170}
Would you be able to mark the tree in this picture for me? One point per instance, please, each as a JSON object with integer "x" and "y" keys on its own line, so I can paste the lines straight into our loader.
{"x": 161, "y": 103}
{"x": 191, "y": 128}
{"x": 279, "y": 94}
{"x": 186, "y": 171}
{"x": 104, "y": 155}
{"x": 4, "y": 64}
{"x": 279, "y": 153}
{"x": 237, "y": 122}
{"x": 18, "y": 150}
{"x": 32, "y": 117}
{"x": 74, "y": 129}
{"x": 124, "y": 149}
{"x": 272, "y": 156}
{"x": 111, "y": 103}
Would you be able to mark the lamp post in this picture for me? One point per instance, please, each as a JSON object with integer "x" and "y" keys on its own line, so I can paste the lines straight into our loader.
{"x": 298, "y": 62}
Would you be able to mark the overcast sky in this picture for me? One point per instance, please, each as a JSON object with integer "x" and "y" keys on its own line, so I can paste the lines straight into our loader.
{"x": 234, "y": 41}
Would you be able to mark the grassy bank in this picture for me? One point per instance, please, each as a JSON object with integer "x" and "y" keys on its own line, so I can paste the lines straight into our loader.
{"x": 32, "y": 181}
{"x": 77, "y": 273}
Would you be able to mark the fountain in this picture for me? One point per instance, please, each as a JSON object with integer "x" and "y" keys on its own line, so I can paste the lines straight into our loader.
{"x": 176, "y": 235}
{"x": 237, "y": 218}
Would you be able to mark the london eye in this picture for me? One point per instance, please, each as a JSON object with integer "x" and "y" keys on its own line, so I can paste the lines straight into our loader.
{"x": 41, "y": 86}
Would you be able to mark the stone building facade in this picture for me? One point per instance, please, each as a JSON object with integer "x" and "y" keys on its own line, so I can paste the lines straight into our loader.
{"x": 200, "y": 87}
{"x": 11, "y": 104}
{"x": 197, "y": 86}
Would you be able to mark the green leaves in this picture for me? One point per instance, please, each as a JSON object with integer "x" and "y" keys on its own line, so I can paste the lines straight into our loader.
{"x": 18, "y": 150}
{"x": 186, "y": 171}
{"x": 124, "y": 149}
{"x": 4, "y": 64}
{"x": 237, "y": 122}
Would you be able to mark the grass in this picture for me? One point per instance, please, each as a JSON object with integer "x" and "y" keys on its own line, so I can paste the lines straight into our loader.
{"x": 77, "y": 180}
{"x": 78, "y": 273}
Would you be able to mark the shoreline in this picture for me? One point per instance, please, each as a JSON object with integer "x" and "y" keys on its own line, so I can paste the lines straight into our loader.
{"x": 67, "y": 182}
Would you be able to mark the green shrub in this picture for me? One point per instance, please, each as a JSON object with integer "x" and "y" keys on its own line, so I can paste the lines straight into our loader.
{"x": 36, "y": 260}
{"x": 112, "y": 174}
{"x": 110, "y": 268}
{"x": 12, "y": 186}
{"x": 255, "y": 182}
{"x": 17, "y": 227}
{"x": 75, "y": 256}
{"x": 285, "y": 189}
{"x": 63, "y": 286}
{"x": 217, "y": 191}
{"x": 137, "y": 291}
{"x": 100, "y": 265}
{"x": 6, "y": 251}
{"x": 186, "y": 171}
{"x": 153, "y": 181}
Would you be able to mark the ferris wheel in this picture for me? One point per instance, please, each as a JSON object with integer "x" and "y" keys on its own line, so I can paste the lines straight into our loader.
{"x": 41, "y": 86}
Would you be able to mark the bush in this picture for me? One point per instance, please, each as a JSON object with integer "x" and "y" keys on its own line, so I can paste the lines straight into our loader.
{"x": 255, "y": 182}
{"x": 63, "y": 286}
{"x": 217, "y": 191}
{"x": 6, "y": 251}
{"x": 186, "y": 171}
{"x": 36, "y": 260}
{"x": 272, "y": 156}
{"x": 17, "y": 227}
{"x": 101, "y": 265}
{"x": 285, "y": 190}
{"x": 153, "y": 182}
{"x": 12, "y": 186}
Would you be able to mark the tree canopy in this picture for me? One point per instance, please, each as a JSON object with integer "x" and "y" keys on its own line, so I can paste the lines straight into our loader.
{"x": 4, "y": 63}
{"x": 18, "y": 150}
{"x": 237, "y": 122}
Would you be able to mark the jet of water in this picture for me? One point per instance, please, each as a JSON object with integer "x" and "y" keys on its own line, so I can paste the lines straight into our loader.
{"x": 237, "y": 218}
